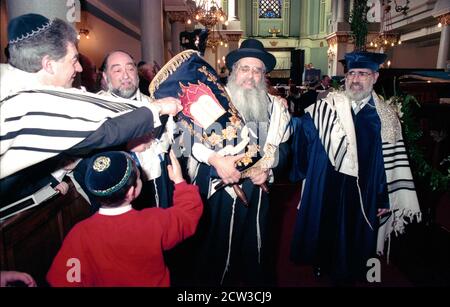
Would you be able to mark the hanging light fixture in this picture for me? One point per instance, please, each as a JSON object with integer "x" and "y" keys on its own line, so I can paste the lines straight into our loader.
{"x": 386, "y": 38}
{"x": 207, "y": 12}
{"x": 84, "y": 32}
{"x": 211, "y": 16}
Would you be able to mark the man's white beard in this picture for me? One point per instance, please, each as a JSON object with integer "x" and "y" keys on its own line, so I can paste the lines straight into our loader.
{"x": 355, "y": 95}
{"x": 252, "y": 104}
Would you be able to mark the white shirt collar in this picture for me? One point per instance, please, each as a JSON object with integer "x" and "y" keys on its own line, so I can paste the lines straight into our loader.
{"x": 115, "y": 211}
{"x": 360, "y": 103}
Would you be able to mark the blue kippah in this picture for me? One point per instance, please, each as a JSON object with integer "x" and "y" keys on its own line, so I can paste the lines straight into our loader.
{"x": 108, "y": 172}
{"x": 369, "y": 60}
{"x": 26, "y": 26}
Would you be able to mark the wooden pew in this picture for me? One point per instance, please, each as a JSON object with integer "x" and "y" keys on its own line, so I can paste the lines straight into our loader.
{"x": 31, "y": 239}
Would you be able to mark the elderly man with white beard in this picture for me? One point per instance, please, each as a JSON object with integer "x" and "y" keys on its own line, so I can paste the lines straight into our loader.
{"x": 357, "y": 184}
{"x": 233, "y": 236}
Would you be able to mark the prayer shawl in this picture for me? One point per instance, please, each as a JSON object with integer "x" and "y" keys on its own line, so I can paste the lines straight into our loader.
{"x": 333, "y": 119}
{"x": 151, "y": 158}
{"x": 39, "y": 122}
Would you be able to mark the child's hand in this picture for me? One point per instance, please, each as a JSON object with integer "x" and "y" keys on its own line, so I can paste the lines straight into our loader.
{"x": 174, "y": 170}
{"x": 14, "y": 276}
{"x": 62, "y": 187}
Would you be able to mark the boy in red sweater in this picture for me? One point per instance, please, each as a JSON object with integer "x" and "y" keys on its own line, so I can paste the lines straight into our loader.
{"x": 119, "y": 246}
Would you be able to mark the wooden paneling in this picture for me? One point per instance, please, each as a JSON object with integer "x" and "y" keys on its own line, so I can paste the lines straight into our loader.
{"x": 31, "y": 239}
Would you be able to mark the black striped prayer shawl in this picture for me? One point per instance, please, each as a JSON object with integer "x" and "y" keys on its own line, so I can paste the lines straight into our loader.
{"x": 39, "y": 124}
{"x": 333, "y": 120}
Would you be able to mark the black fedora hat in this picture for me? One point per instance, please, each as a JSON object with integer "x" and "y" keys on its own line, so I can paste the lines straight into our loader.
{"x": 252, "y": 48}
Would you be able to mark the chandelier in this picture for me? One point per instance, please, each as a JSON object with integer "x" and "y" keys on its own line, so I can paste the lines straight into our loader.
{"x": 211, "y": 16}
{"x": 207, "y": 12}
{"x": 216, "y": 39}
{"x": 387, "y": 38}
{"x": 84, "y": 32}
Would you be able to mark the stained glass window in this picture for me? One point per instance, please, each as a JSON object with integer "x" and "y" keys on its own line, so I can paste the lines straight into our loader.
{"x": 269, "y": 8}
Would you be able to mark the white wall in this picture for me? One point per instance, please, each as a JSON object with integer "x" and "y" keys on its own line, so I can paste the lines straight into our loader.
{"x": 104, "y": 38}
{"x": 413, "y": 55}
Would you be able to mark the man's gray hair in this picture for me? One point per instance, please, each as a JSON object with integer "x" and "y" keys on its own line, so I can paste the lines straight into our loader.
{"x": 27, "y": 54}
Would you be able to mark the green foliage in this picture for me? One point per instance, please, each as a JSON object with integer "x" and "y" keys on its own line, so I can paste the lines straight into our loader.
{"x": 335, "y": 84}
{"x": 408, "y": 106}
{"x": 359, "y": 24}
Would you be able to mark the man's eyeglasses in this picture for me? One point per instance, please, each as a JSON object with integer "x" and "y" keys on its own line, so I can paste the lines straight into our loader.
{"x": 363, "y": 75}
{"x": 255, "y": 70}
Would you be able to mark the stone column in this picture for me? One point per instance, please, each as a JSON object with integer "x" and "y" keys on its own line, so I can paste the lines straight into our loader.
{"x": 232, "y": 10}
{"x": 152, "y": 39}
{"x": 234, "y": 23}
{"x": 350, "y": 6}
{"x": 340, "y": 11}
{"x": 443, "y": 54}
{"x": 334, "y": 10}
{"x": 177, "y": 21}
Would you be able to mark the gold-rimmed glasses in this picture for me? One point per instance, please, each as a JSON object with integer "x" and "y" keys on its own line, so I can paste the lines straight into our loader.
{"x": 362, "y": 75}
{"x": 255, "y": 70}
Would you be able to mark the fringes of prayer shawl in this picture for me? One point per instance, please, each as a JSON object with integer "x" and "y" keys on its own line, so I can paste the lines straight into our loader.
{"x": 404, "y": 204}
{"x": 403, "y": 201}
{"x": 168, "y": 69}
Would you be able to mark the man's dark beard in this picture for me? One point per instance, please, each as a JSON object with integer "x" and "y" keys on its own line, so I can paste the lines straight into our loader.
{"x": 252, "y": 104}
{"x": 122, "y": 93}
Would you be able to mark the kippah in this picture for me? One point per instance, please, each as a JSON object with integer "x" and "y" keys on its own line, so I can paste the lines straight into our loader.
{"x": 108, "y": 172}
{"x": 26, "y": 26}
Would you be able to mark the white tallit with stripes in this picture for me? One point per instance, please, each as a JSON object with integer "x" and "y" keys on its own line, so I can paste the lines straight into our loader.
{"x": 333, "y": 120}
{"x": 38, "y": 122}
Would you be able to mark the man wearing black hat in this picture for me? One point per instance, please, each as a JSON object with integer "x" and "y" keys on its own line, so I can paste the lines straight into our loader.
{"x": 234, "y": 236}
{"x": 357, "y": 184}
{"x": 41, "y": 117}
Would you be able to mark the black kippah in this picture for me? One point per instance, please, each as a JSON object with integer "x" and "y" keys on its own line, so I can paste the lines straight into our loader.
{"x": 26, "y": 26}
